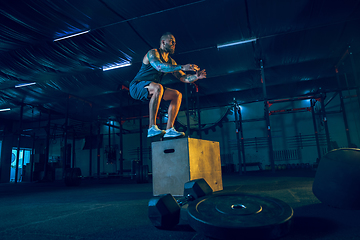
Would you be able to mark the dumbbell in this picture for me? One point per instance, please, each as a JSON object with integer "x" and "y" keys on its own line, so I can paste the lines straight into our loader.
{"x": 164, "y": 210}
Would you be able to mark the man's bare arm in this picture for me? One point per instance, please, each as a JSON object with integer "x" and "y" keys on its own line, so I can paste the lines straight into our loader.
{"x": 189, "y": 78}
{"x": 153, "y": 57}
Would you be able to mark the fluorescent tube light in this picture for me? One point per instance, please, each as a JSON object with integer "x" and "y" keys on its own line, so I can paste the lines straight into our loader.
{"x": 236, "y": 43}
{"x": 5, "y": 109}
{"x": 73, "y": 35}
{"x": 24, "y": 84}
{"x": 116, "y": 65}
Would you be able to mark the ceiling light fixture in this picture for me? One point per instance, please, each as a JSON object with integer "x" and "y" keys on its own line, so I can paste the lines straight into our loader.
{"x": 73, "y": 35}
{"x": 116, "y": 65}
{"x": 236, "y": 43}
{"x": 24, "y": 84}
{"x": 5, "y": 109}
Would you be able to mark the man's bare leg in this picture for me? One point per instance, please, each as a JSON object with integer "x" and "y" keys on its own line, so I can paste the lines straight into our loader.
{"x": 175, "y": 97}
{"x": 156, "y": 92}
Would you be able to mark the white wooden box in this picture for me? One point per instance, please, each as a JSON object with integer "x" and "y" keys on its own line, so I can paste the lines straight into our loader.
{"x": 175, "y": 162}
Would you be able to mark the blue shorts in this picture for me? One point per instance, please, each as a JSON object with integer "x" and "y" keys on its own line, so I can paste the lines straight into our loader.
{"x": 138, "y": 90}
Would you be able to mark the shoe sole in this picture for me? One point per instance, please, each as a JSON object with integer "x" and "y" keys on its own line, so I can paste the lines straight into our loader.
{"x": 174, "y": 136}
{"x": 157, "y": 135}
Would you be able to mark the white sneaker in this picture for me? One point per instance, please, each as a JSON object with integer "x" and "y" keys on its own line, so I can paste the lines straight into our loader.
{"x": 172, "y": 133}
{"x": 155, "y": 131}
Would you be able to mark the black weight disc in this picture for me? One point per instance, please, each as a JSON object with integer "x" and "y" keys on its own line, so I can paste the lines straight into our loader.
{"x": 240, "y": 216}
{"x": 138, "y": 174}
{"x": 145, "y": 173}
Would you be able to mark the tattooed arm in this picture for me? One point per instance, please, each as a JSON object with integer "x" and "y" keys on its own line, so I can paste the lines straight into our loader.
{"x": 189, "y": 78}
{"x": 153, "y": 57}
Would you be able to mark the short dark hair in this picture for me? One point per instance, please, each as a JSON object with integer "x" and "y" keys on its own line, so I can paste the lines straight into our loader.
{"x": 165, "y": 35}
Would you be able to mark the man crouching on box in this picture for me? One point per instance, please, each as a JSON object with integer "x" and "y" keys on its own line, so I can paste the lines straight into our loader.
{"x": 146, "y": 84}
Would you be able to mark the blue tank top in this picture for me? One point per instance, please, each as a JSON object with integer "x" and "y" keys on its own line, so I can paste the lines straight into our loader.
{"x": 149, "y": 73}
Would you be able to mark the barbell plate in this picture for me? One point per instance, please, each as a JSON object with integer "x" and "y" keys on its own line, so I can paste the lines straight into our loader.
{"x": 142, "y": 173}
{"x": 145, "y": 172}
{"x": 237, "y": 215}
{"x": 138, "y": 173}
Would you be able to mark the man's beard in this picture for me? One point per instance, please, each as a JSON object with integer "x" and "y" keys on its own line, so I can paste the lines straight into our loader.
{"x": 169, "y": 49}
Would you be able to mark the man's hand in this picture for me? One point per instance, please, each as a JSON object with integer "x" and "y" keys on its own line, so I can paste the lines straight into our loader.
{"x": 201, "y": 74}
{"x": 190, "y": 78}
{"x": 190, "y": 67}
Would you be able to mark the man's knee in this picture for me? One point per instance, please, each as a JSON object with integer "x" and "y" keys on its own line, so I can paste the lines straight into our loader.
{"x": 158, "y": 89}
{"x": 179, "y": 95}
{"x": 172, "y": 94}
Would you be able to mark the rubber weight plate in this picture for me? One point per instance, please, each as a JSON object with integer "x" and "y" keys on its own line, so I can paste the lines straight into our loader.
{"x": 142, "y": 174}
{"x": 145, "y": 173}
{"x": 240, "y": 216}
{"x": 138, "y": 174}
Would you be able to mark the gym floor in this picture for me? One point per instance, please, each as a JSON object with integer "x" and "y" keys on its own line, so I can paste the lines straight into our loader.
{"x": 105, "y": 209}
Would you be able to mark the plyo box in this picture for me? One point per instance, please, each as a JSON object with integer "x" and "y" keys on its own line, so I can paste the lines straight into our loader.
{"x": 175, "y": 162}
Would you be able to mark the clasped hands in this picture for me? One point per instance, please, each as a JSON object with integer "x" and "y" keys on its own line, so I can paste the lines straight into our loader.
{"x": 193, "y": 67}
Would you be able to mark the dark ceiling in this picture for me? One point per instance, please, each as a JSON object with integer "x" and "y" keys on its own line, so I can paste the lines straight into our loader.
{"x": 299, "y": 43}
